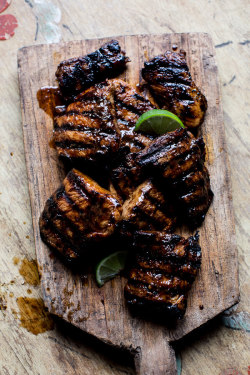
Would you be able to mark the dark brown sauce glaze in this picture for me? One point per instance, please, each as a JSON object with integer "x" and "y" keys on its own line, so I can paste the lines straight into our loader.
{"x": 29, "y": 271}
{"x": 34, "y": 316}
{"x": 48, "y": 98}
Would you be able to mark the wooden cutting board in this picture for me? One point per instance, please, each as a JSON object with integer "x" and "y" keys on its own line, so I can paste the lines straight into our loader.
{"x": 102, "y": 312}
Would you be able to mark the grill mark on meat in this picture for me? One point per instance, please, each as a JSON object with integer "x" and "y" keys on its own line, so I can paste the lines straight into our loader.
{"x": 72, "y": 146}
{"x": 79, "y": 214}
{"x": 162, "y": 273}
{"x": 145, "y": 220}
{"x": 166, "y": 246}
{"x": 74, "y": 153}
{"x": 63, "y": 213}
{"x": 77, "y": 74}
{"x": 64, "y": 226}
{"x": 56, "y": 240}
{"x": 73, "y": 121}
{"x": 75, "y": 192}
{"x": 89, "y": 188}
{"x": 129, "y": 107}
{"x": 89, "y": 114}
{"x": 127, "y": 175}
{"x": 87, "y": 130}
{"x": 177, "y": 160}
{"x": 75, "y": 136}
{"x": 148, "y": 208}
{"x": 170, "y": 81}
{"x": 182, "y": 270}
{"x": 181, "y": 147}
{"x": 158, "y": 280}
{"x": 148, "y": 292}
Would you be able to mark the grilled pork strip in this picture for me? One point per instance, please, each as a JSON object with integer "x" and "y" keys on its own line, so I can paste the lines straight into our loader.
{"x": 148, "y": 209}
{"x": 129, "y": 106}
{"x": 126, "y": 175}
{"x": 163, "y": 272}
{"x": 78, "y": 215}
{"x": 177, "y": 158}
{"x": 87, "y": 128}
{"x": 171, "y": 83}
{"x": 77, "y": 74}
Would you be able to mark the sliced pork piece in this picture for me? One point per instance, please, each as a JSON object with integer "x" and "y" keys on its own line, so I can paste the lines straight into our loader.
{"x": 171, "y": 155}
{"x": 87, "y": 128}
{"x": 78, "y": 215}
{"x": 177, "y": 158}
{"x": 194, "y": 195}
{"x": 171, "y": 83}
{"x": 163, "y": 272}
{"x": 129, "y": 106}
{"x": 126, "y": 175}
{"x": 77, "y": 74}
{"x": 148, "y": 208}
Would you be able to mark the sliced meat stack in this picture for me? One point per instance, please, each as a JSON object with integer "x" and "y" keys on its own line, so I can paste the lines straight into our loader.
{"x": 162, "y": 273}
{"x": 78, "y": 215}
{"x": 171, "y": 83}
{"x": 77, "y": 74}
{"x": 177, "y": 160}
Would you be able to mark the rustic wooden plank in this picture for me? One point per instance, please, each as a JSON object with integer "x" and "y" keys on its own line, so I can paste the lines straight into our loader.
{"x": 208, "y": 352}
{"x": 102, "y": 312}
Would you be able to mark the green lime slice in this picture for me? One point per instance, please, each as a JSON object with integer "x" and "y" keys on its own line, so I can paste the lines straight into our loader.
{"x": 158, "y": 121}
{"x": 110, "y": 266}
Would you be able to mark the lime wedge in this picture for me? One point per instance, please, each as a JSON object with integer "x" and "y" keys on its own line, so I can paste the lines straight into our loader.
{"x": 158, "y": 121}
{"x": 110, "y": 266}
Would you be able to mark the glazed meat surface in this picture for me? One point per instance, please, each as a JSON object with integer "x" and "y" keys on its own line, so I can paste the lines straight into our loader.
{"x": 177, "y": 159}
{"x": 129, "y": 106}
{"x": 148, "y": 208}
{"x": 77, "y": 74}
{"x": 171, "y": 83}
{"x": 126, "y": 175}
{"x": 99, "y": 121}
{"x": 78, "y": 215}
{"x": 163, "y": 272}
{"x": 87, "y": 128}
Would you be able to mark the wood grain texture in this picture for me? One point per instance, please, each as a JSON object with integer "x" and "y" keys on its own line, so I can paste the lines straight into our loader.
{"x": 212, "y": 350}
{"x": 102, "y": 312}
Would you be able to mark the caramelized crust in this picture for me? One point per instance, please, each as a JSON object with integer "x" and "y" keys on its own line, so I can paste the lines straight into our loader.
{"x": 79, "y": 214}
{"x": 129, "y": 106}
{"x": 148, "y": 208}
{"x": 77, "y": 74}
{"x": 172, "y": 85}
{"x": 99, "y": 121}
{"x": 87, "y": 128}
{"x": 163, "y": 272}
{"x": 177, "y": 159}
{"x": 127, "y": 175}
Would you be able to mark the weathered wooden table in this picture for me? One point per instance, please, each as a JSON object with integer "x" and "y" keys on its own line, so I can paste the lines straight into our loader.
{"x": 30, "y": 342}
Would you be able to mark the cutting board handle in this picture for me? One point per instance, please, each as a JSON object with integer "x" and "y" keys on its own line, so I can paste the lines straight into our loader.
{"x": 155, "y": 357}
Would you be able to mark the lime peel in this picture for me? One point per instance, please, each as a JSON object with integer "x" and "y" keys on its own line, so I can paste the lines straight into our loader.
{"x": 110, "y": 266}
{"x": 158, "y": 121}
